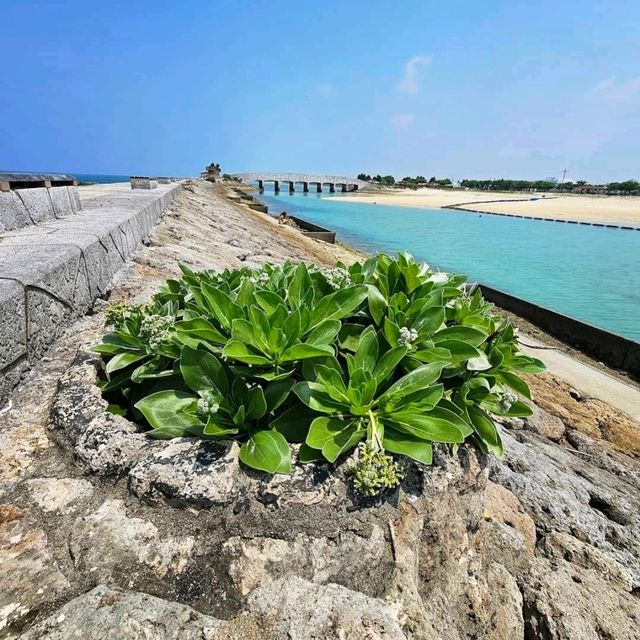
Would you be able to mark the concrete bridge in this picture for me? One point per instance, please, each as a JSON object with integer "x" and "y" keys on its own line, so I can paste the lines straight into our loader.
{"x": 305, "y": 179}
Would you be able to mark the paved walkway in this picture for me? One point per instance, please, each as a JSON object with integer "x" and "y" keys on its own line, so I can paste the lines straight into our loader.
{"x": 587, "y": 379}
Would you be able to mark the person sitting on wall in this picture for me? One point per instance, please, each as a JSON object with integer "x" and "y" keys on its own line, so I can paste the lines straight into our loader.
{"x": 283, "y": 218}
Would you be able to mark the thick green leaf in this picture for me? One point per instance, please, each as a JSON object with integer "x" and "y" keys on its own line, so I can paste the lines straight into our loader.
{"x": 334, "y": 436}
{"x": 302, "y": 351}
{"x": 527, "y": 364}
{"x": 339, "y": 304}
{"x": 377, "y": 304}
{"x": 199, "y": 329}
{"x": 420, "y": 378}
{"x": 483, "y": 425}
{"x": 471, "y": 336}
{"x": 166, "y": 412}
{"x": 300, "y": 288}
{"x": 294, "y": 423}
{"x": 516, "y": 383}
{"x": 438, "y": 425}
{"x": 221, "y": 305}
{"x": 202, "y": 370}
{"x": 324, "y": 333}
{"x": 123, "y": 360}
{"x": 267, "y": 451}
{"x": 277, "y": 392}
{"x": 387, "y": 364}
{"x": 478, "y": 363}
{"x": 315, "y": 396}
{"x": 239, "y": 351}
{"x": 366, "y": 355}
{"x": 407, "y": 445}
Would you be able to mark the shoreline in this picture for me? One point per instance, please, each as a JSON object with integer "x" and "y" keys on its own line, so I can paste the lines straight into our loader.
{"x": 618, "y": 211}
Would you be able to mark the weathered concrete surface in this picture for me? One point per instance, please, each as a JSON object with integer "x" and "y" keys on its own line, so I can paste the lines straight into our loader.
{"x": 13, "y": 214}
{"x": 51, "y": 273}
{"x": 549, "y": 550}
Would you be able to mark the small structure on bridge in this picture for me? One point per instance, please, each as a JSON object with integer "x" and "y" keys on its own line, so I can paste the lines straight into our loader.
{"x": 309, "y": 182}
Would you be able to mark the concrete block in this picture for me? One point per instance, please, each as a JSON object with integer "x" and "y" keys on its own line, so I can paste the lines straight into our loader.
{"x": 60, "y": 202}
{"x": 37, "y": 203}
{"x": 51, "y": 268}
{"x": 13, "y": 322}
{"x": 13, "y": 214}
{"x": 74, "y": 198}
{"x": 143, "y": 182}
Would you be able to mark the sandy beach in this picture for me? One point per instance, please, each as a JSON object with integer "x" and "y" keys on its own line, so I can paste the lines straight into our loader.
{"x": 607, "y": 209}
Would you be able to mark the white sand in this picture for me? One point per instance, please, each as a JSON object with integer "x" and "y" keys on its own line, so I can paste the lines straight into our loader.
{"x": 607, "y": 209}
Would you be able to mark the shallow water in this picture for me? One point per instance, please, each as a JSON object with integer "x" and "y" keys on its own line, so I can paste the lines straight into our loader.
{"x": 590, "y": 273}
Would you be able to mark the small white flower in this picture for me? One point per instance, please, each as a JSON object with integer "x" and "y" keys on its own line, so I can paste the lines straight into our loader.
{"x": 507, "y": 400}
{"x": 154, "y": 329}
{"x": 407, "y": 337}
{"x": 207, "y": 407}
{"x": 337, "y": 278}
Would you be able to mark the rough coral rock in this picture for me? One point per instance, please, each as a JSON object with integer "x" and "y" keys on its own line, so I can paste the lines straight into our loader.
{"x": 31, "y": 577}
{"x": 343, "y": 558}
{"x": 59, "y": 494}
{"x": 187, "y": 471}
{"x": 108, "y": 613}
{"x": 307, "y": 611}
{"x": 107, "y": 540}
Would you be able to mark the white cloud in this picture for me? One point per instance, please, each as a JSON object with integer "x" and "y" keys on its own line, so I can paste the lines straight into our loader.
{"x": 409, "y": 81}
{"x": 615, "y": 93}
{"x": 403, "y": 120}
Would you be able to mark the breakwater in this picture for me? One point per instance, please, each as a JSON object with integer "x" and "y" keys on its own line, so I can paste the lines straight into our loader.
{"x": 57, "y": 256}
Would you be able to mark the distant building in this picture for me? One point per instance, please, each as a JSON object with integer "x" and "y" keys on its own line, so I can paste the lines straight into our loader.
{"x": 595, "y": 189}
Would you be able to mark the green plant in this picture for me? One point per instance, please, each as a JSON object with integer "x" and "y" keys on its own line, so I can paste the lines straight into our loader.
{"x": 387, "y": 355}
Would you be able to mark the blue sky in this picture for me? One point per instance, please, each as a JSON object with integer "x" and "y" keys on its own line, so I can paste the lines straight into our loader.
{"x": 457, "y": 89}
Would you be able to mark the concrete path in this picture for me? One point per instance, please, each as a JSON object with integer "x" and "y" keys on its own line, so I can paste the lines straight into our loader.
{"x": 586, "y": 379}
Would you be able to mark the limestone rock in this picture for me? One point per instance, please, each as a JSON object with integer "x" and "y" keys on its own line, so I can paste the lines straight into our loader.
{"x": 345, "y": 558}
{"x": 306, "y": 611}
{"x": 566, "y": 547}
{"x": 545, "y": 424}
{"x": 111, "y": 445}
{"x": 59, "y": 494}
{"x": 570, "y": 603}
{"x": 108, "y": 613}
{"x": 31, "y": 577}
{"x": 107, "y": 540}
{"x": 502, "y": 506}
{"x": 568, "y": 493}
{"x": 188, "y": 471}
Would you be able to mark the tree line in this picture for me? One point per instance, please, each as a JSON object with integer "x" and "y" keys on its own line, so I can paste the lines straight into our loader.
{"x": 628, "y": 187}
{"x": 406, "y": 181}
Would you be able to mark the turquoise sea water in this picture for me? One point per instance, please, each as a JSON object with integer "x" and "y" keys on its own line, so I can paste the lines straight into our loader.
{"x": 590, "y": 273}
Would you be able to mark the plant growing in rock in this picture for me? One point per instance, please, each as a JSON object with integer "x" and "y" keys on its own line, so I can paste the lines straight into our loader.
{"x": 387, "y": 355}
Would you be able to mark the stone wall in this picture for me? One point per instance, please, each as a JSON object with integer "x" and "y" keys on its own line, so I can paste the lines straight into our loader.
{"x": 55, "y": 265}
{"x": 26, "y": 207}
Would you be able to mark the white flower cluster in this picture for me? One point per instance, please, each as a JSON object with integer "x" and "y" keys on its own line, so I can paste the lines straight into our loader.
{"x": 407, "y": 337}
{"x": 261, "y": 278}
{"x": 507, "y": 400}
{"x": 207, "y": 406}
{"x": 337, "y": 278}
{"x": 154, "y": 329}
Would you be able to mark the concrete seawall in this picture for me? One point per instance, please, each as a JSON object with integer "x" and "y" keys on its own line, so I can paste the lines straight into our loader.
{"x": 616, "y": 351}
{"x": 52, "y": 272}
